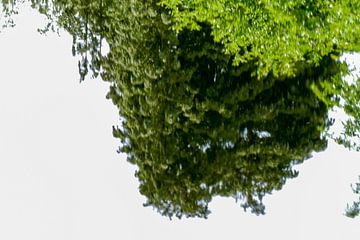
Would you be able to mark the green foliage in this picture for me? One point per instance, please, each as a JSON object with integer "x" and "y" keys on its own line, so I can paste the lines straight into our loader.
{"x": 83, "y": 19}
{"x": 351, "y": 135}
{"x": 354, "y": 210}
{"x": 197, "y": 126}
{"x": 338, "y": 92}
{"x": 217, "y": 98}
{"x": 276, "y": 34}
{"x": 8, "y": 9}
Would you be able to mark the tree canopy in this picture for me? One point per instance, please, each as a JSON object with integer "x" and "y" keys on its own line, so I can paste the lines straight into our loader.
{"x": 216, "y": 98}
{"x": 278, "y": 34}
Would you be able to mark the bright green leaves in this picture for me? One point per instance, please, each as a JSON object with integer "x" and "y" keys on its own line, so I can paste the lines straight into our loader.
{"x": 276, "y": 34}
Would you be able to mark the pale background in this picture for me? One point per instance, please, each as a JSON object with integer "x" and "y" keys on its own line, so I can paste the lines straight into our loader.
{"x": 61, "y": 178}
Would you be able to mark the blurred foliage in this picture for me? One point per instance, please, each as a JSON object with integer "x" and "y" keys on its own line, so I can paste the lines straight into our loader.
{"x": 217, "y": 98}
{"x": 354, "y": 210}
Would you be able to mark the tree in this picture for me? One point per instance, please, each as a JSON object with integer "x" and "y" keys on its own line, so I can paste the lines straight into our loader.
{"x": 205, "y": 128}
{"x": 210, "y": 110}
{"x": 196, "y": 126}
